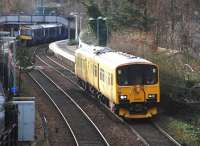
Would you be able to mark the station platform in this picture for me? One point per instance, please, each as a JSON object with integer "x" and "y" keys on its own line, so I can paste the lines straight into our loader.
{"x": 60, "y": 48}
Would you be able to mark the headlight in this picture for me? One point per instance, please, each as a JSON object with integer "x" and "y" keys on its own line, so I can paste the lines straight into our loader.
{"x": 152, "y": 96}
{"x": 123, "y": 97}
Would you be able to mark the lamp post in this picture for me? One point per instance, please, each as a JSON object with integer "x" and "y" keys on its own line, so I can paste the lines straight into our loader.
{"x": 80, "y": 25}
{"x": 75, "y": 14}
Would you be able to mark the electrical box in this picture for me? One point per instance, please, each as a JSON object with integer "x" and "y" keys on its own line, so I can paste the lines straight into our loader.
{"x": 26, "y": 120}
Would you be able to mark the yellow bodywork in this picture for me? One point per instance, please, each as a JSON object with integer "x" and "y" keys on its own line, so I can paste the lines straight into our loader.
{"x": 150, "y": 113}
{"x": 139, "y": 93}
{"x": 25, "y": 37}
{"x": 103, "y": 78}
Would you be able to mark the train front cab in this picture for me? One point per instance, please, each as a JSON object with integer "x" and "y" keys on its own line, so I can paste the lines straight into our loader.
{"x": 138, "y": 90}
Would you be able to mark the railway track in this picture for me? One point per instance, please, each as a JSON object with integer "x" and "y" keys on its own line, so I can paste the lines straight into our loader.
{"x": 84, "y": 131}
{"x": 149, "y": 132}
{"x": 152, "y": 134}
{"x": 114, "y": 130}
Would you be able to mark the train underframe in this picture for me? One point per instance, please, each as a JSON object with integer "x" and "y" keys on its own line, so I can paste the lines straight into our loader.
{"x": 127, "y": 110}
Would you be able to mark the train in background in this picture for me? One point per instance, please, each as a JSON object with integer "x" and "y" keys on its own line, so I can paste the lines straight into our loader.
{"x": 30, "y": 35}
{"x": 127, "y": 84}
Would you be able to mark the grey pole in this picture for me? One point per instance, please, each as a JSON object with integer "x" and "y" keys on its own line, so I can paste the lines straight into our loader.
{"x": 76, "y": 33}
{"x": 3, "y": 60}
{"x": 80, "y": 25}
{"x": 75, "y": 14}
{"x": 97, "y": 31}
{"x": 14, "y": 68}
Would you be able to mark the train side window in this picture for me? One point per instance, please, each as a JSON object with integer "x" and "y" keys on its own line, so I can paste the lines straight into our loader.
{"x": 59, "y": 30}
{"x": 29, "y": 32}
{"x": 102, "y": 74}
{"x": 44, "y": 32}
{"x": 95, "y": 70}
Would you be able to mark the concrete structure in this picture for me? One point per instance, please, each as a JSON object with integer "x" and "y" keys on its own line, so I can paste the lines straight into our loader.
{"x": 26, "y": 19}
{"x": 60, "y": 48}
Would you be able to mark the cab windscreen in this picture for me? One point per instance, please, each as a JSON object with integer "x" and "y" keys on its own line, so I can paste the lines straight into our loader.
{"x": 137, "y": 74}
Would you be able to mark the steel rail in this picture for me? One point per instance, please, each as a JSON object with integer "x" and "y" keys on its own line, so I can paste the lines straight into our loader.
{"x": 60, "y": 64}
{"x": 62, "y": 74}
{"x": 85, "y": 114}
{"x": 80, "y": 109}
{"x": 165, "y": 133}
{"x": 68, "y": 125}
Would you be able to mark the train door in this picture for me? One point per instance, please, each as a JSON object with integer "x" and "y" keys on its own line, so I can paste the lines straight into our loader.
{"x": 90, "y": 74}
{"x": 110, "y": 84}
{"x": 96, "y": 75}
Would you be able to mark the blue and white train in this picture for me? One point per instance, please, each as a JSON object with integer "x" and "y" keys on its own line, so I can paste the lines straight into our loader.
{"x": 42, "y": 33}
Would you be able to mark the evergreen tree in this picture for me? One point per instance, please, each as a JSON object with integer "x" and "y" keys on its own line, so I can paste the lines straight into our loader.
{"x": 23, "y": 57}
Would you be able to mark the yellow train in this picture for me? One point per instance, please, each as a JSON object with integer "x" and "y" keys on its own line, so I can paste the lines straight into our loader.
{"x": 127, "y": 84}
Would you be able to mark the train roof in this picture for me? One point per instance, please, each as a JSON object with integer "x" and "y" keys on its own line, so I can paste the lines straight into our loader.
{"x": 39, "y": 26}
{"x": 31, "y": 27}
{"x": 113, "y": 59}
{"x": 116, "y": 59}
{"x": 51, "y": 25}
